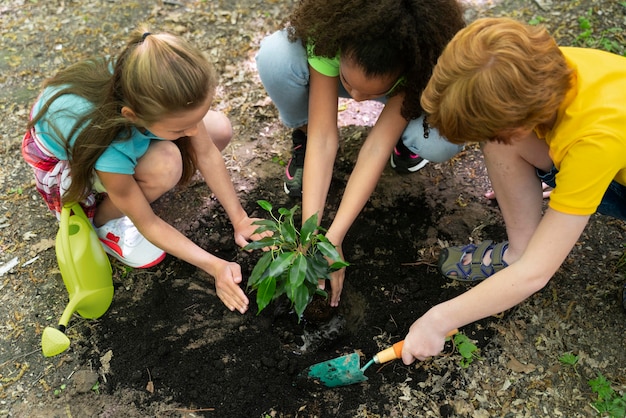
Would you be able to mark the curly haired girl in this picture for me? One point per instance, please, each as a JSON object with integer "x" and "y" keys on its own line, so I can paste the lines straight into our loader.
{"x": 364, "y": 50}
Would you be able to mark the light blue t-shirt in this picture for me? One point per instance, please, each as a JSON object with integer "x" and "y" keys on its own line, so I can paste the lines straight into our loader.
{"x": 120, "y": 157}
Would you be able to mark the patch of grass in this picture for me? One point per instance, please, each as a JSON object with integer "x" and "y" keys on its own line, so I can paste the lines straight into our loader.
{"x": 592, "y": 37}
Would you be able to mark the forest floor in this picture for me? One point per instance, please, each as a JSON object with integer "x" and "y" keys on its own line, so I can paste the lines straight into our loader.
{"x": 167, "y": 347}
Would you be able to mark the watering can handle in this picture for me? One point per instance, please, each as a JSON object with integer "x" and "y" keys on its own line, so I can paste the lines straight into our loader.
{"x": 395, "y": 351}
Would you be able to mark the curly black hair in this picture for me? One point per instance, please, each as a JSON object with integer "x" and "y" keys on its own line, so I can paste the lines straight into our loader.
{"x": 383, "y": 36}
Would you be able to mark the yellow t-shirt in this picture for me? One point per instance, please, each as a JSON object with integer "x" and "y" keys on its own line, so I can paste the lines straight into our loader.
{"x": 588, "y": 140}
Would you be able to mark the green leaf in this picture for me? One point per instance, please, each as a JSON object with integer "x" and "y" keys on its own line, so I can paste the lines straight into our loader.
{"x": 602, "y": 387}
{"x": 262, "y": 243}
{"x": 297, "y": 273}
{"x": 265, "y": 205}
{"x": 280, "y": 264}
{"x": 308, "y": 229}
{"x": 259, "y": 269}
{"x": 338, "y": 265}
{"x": 569, "y": 359}
{"x": 281, "y": 287}
{"x": 288, "y": 213}
{"x": 265, "y": 292}
{"x": 301, "y": 298}
{"x": 467, "y": 350}
{"x": 329, "y": 250}
{"x": 288, "y": 232}
{"x": 268, "y": 223}
{"x": 317, "y": 268}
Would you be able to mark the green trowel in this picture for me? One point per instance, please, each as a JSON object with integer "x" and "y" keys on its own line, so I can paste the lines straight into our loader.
{"x": 345, "y": 370}
{"x": 86, "y": 272}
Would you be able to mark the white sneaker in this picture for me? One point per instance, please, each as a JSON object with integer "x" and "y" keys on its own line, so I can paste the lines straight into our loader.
{"x": 121, "y": 239}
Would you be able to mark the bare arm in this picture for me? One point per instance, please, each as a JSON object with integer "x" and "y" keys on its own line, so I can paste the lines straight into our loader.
{"x": 322, "y": 144}
{"x": 369, "y": 166}
{"x": 212, "y": 167}
{"x": 549, "y": 246}
{"x": 127, "y": 196}
{"x": 371, "y": 162}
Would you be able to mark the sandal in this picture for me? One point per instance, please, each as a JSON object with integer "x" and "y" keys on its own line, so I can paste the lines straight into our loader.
{"x": 451, "y": 261}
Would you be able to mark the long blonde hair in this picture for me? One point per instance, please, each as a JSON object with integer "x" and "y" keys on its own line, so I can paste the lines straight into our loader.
{"x": 155, "y": 75}
{"x": 495, "y": 76}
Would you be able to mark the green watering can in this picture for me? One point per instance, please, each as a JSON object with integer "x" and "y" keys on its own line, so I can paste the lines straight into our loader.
{"x": 86, "y": 272}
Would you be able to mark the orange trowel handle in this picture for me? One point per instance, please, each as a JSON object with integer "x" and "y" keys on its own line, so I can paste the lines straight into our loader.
{"x": 395, "y": 351}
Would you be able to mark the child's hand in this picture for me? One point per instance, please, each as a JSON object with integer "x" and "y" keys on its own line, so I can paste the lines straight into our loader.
{"x": 244, "y": 231}
{"x": 337, "y": 277}
{"x": 336, "y": 283}
{"x": 227, "y": 279}
{"x": 424, "y": 340}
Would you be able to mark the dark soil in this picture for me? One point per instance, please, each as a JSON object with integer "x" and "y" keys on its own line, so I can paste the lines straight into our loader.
{"x": 199, "y": 354}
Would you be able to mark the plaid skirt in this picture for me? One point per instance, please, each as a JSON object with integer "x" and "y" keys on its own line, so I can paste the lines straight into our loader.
{"x": 52, "y": 176}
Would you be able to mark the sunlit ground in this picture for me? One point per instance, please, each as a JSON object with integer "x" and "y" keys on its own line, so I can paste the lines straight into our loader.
{"x": 480, "y": 3}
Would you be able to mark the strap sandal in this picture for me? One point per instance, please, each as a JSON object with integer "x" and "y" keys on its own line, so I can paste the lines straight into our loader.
{"x": 451, "y": 261}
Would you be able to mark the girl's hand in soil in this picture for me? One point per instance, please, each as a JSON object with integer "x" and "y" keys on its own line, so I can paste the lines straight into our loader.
{"x": 336, "y": 285}
{"x": 336, "y": 282}
{"x": 227, "y": 279}
{"x": 244, "y": 231}
{"x": 424, "y": 340}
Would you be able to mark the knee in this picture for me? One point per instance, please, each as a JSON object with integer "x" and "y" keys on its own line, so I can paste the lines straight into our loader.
{"x": 278, "y": 58}
{"x": 427, "y": 142}
{"x": 161, "y": 167}
{"x": 269, "y": 50}
{"x": 220, "y": 129}
{"x": 431, "y": 146}
{"x": 442, "y": 151}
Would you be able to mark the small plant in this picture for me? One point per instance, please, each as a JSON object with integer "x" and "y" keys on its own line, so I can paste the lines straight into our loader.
{"x": 466, "y": 348}
{"x": 609, "y": 402}
{"x": 295, "y": 261}
{"x": 537, "y": 20}
{"x": 57, "y": 392}
{"x": 569, "y": 359}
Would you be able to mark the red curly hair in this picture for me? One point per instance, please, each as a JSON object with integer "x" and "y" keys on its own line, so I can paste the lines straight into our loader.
{"x": 494, "y": 77}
